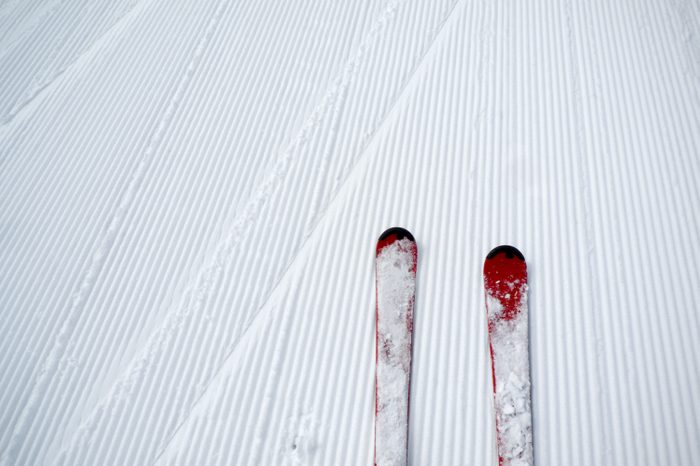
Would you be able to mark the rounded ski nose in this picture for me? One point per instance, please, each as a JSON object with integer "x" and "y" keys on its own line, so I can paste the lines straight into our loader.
{"x": 393, "y": 234}
{"x": 505, "y": 271}
{"x": 399, "y": 232}
{"x": 509, "y": 251}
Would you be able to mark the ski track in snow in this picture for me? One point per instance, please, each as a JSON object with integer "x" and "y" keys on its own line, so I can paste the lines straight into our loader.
{"x": 53, "y": 360}
{"x": 190, "y": 196}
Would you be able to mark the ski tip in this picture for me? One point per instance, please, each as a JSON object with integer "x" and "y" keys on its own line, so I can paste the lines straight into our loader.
{"x": 399, "y": 232}
{"x": 509, "y": 251}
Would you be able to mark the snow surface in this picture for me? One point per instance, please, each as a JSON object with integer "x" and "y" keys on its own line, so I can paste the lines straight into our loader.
{"x": 396, "y": 287}
{"x": 191, "y": 192}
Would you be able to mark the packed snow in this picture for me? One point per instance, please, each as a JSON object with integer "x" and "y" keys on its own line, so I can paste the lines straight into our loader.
{"x": 191, "y": 192}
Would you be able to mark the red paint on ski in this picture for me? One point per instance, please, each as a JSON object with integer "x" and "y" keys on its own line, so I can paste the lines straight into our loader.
{"x": 503, "y": 272}
{"x": 386, "y": 241}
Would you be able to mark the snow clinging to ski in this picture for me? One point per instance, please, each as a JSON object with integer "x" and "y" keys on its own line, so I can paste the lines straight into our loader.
{"x": 505, "y": 283}
{"x": 396, "y": 283}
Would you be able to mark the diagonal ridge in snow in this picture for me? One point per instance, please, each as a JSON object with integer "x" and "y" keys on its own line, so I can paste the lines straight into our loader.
{"x": 209, "y": 276}
{"x": 50, "y": 365}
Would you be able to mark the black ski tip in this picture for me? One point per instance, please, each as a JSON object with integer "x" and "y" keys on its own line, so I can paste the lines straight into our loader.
{"x": 400, "y": 233}
{"x": 509, "y": 251}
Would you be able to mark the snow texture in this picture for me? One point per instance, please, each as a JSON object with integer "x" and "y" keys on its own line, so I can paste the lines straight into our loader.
{"x": 190, "y": 192}
{"x": 511, "y": 365}
{"x": 396, "y": 285}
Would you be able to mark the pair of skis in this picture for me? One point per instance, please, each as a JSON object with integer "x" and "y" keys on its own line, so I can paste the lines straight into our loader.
{"x": 505, "y": 285}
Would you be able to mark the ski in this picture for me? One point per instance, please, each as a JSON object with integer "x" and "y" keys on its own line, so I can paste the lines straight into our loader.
{"x": 395, "y": 262}
{"x": 505, "y": 284}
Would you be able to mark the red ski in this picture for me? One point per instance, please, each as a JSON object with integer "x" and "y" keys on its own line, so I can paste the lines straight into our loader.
{"x": 505, "y": 283}
{"x": 395, "y": 264}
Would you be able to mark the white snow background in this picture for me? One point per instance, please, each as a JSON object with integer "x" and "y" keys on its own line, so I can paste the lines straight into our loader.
{"x": 191, "y": 193}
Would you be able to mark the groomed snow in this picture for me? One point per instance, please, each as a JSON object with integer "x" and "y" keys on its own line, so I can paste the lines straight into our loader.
{"x": 191, "y": 192}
